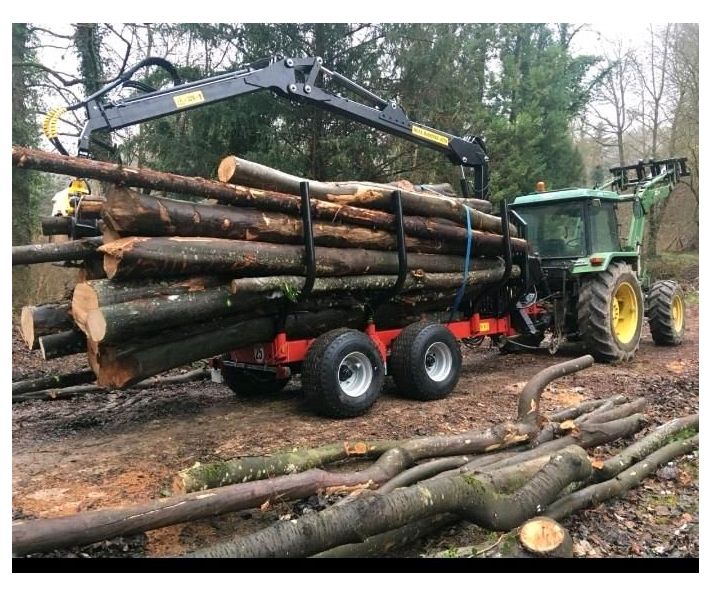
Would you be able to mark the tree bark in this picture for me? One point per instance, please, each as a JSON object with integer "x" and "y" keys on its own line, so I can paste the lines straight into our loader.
{"x": 473, "y": 497}
{"x": 248, "y": 468}
{"x": 55, "y": 226}
{"x": 90, "y": 295}
{"x": 73, "y": 250}
{"x": 165, "y": 257}
{"x": 414, "y": 281}
{"x": 52, "y": 382}
{"x": 62, "y": 344}
{"x": 643, "y": 448}
{"x": 121, "y": 321}
{"x": 72, "y": 391}
{"x": 240, "y": 171}
{"x": 421, "y": 227}
{"x": 620, "y": 484}
{"x": 381, "y": 544}
{"x": 132, "y": 214}
{"x": 45, "y": 319}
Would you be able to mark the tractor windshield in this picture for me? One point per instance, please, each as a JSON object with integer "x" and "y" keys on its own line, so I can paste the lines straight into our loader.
{"x": 555, "y": 230}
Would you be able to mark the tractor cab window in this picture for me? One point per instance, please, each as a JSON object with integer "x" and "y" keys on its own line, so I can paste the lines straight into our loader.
{"x": 605, "y": 235}
{"x": 556, "y": 230}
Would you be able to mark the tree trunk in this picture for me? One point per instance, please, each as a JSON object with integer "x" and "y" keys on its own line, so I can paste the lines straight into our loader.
{"x": 240, "y": 171}
{"x": 73, "y": 250}
{"x": 62, "y": 344}
{"x": 117, "y": 322}
{"x": 52, "y": 382}
{"x": 422, "y": 227}
{"x": 165, "y": 257}
{"x": 413, "y": 282}
{"x": 91, "y": 295}
{"x": 56, "y": 226}
{"x": 46, "y": 319}
{"x": 133, "y": 214}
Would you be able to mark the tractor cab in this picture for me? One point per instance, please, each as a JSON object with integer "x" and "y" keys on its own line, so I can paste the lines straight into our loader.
{"x": 567, "y": 228}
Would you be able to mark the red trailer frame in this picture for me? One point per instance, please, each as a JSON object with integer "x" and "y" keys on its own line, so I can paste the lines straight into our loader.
{"x": 281, "y": 352}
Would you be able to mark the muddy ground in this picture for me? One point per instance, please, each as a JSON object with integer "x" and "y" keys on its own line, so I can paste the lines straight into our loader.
{"x": 122, "y": 447}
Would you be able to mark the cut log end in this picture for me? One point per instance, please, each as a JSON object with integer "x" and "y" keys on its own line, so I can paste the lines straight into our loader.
{"x": 226, "y": 169}
{"x": 544, "y": 537}
{"x": 27, "y": 327}
{"x": 95, "y": 325}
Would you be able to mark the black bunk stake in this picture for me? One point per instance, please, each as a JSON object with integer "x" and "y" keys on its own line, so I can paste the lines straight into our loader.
{"x": 401, "y": 243}
{"x": 308, "y": 245}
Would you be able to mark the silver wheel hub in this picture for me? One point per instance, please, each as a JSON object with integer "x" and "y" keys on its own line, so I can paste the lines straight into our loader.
{"x": 355, "y": 374}
{"x": 438, "y": 361}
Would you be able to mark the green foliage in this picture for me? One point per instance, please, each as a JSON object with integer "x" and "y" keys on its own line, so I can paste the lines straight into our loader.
{"x": 27, "y": 186}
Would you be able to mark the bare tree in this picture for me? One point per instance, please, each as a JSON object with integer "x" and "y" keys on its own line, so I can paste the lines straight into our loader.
{"x": 611, "y": 110}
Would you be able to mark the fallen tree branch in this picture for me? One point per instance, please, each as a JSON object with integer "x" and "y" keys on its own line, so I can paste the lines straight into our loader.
{"x": 52, "y": 382}
{"x": 67, "y": 392}
{"x": 626, "y": 480}
{"x": 473, "y": 497}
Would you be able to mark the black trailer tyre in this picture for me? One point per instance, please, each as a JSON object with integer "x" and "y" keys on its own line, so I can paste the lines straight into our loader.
{"x": 425, "y": 361}
{"x": 342, "y": 373}
{"x": 666, "y": 313}
{"x": 610, "y": 313}
{"x": 252, "y": 383}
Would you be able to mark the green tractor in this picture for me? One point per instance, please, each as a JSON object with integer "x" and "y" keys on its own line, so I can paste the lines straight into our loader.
{"x": 594, "y": 287}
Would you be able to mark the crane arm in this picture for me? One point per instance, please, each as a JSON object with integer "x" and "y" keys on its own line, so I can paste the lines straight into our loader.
{"x": 299, "y": 79}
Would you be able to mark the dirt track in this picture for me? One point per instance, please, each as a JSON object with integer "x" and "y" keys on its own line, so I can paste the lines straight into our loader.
{"x": 123, "y": 447}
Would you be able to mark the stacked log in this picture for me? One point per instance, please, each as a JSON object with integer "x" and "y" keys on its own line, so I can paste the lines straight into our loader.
{"x": 189, "y": 280}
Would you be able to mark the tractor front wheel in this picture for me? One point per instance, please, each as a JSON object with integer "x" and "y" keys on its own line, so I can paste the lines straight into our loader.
{"x": 610, "y": 313}
{"x": 666, "y": 313}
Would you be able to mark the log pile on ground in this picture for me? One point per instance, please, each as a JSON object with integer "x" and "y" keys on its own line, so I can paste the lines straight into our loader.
{"x": 189, "y": 280}
{"x": 502, "y": 479}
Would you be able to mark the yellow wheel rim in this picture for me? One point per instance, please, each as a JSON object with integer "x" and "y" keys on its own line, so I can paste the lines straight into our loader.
{"x": 677, "y": 313}
{"x": 624, "y": 313}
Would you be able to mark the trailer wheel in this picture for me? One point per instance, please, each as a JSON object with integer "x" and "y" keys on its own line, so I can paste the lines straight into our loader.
{"x": 342, "y": 373}
{"x": 610, "y": 313}
{"x": 425, "y": 361}
{"x": 666, "y": 313}
{"x": 252, "y": 383}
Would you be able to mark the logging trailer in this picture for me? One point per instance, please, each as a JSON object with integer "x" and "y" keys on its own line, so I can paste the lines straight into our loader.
{"x": 577, "y": 281}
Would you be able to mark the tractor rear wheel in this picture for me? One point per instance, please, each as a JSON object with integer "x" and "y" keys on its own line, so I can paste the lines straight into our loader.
{"x": 610, "y": 313}
{"x": 666, "y": 313}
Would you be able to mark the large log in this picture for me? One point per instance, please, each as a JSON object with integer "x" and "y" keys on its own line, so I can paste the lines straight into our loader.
{"x": 419, "y": 281}
{"x": 62, "y": 344}
{"x": 133, "y": 214}
{"x": 73, "y": 250}
{"x": 45, "y": 319}
{"x": 164, "y": 257}
{"x": 240, "y": 171}
{"x": 236, "y": 195}
{"x": 56, "y": 225}
{"x": 91, "y": 295}
{"x": 139, "y": 317}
